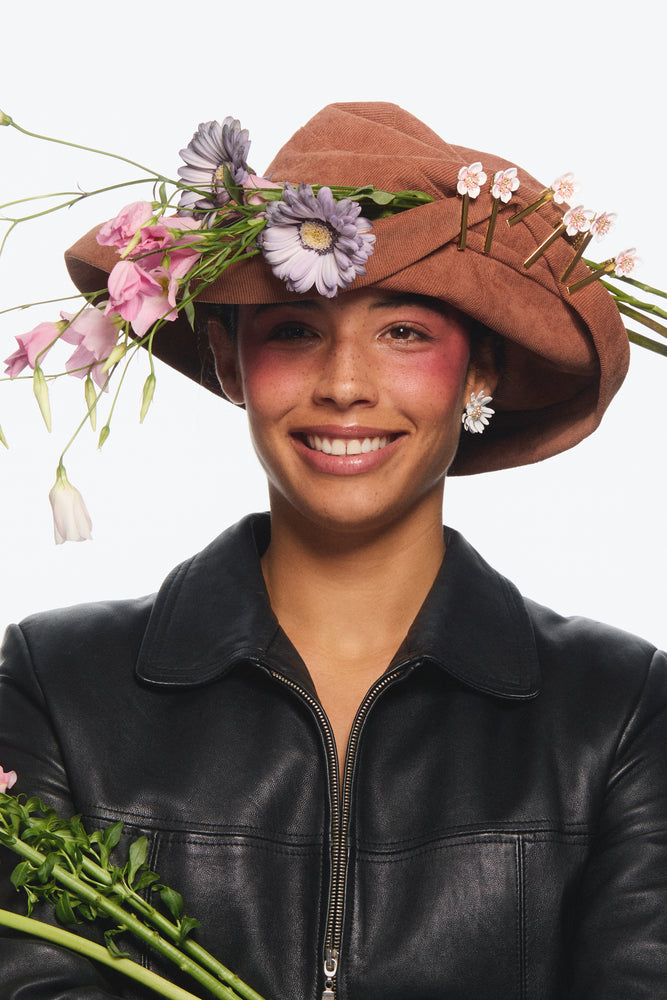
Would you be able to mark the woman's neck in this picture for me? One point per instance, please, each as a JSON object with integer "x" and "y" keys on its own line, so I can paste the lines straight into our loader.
{"x": 351, "y": 597}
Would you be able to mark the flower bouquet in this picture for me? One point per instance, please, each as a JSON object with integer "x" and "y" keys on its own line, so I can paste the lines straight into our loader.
{"x": 62, "y": 865}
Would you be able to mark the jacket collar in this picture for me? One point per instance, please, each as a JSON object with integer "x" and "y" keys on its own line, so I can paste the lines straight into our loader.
{"x": 213, "y": 611}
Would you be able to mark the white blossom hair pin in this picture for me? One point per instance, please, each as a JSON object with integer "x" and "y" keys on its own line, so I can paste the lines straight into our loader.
{"x": 469, "y": 186}
{"x": 561, "y": 191}
{"x": 575, "y": 222}
{"x": 600, "y": 226}
{"x": 505, "y": 183}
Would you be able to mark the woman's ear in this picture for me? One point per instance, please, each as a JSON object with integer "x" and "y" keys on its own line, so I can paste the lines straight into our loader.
{"x": 226, "y": 361}
{"x": 483, "y": 373}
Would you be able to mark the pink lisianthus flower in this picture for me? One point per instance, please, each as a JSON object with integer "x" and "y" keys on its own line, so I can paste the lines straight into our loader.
{"x": 144, "y": 295}
{"x": 121, "y": 230}
{"x": 31, "y": 345}
{"x": 162, "y": 235}
{"x": 95, "y": 335}
{"x": 7, "y": 779}
{"x": 71, "y": 520}
{"x": 253, "y": 182}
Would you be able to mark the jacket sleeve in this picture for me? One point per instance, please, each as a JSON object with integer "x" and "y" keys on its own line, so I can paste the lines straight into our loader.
{"x": 620, "y": 943}
{"x": 29, "y": 746}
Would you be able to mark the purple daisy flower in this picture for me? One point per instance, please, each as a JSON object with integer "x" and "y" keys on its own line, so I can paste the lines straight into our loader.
{"x": 212, "y": 147}
{"x": 313, "y": 240}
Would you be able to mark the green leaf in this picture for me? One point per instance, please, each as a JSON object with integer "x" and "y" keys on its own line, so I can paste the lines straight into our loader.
{"x": 188, "y": 924}
{"x": 189, "y": 308}
{"x": 235, "y": 192}
{"x": 382, "y": 197}
{"x": 137, "y": 857}
{"x": 112, "y": 947}
{"x": 172, "y": 900}
{"x": 64, "y": 912}
{"x": 21, "y": 874}
{"x": 46, "y": 869}
{"x": 112, "y": 835}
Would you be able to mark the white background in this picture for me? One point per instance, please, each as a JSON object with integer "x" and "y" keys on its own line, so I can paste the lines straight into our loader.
{"x": 579, "y": 87}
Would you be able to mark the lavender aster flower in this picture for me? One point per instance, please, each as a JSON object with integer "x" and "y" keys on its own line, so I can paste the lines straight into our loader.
{"x": 313, "y": 240}
{"x": 212, "y": 147}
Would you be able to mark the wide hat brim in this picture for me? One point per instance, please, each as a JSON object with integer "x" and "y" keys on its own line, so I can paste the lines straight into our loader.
{"x": 565, "y": 354}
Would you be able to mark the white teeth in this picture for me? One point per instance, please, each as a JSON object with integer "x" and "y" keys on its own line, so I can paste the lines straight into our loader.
{"x": 346, "y": 446}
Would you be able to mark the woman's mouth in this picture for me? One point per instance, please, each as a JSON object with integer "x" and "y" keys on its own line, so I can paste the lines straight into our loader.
{"x": 346, "y": 446}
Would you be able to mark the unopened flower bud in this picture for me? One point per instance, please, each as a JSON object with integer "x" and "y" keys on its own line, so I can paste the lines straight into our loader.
{"x": 71, "y": 520}
{"x": 5, "y": 119}
{"x": 118, "y": 352}
{"x": 41, "y": 392}
{"x": 104, "y": 434}
{"x": 149, "y": 389}
{"x": 91, "y": 401}
{"x": 3, "y": 439}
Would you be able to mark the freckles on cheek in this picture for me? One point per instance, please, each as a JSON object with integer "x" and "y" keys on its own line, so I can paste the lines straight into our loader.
{"x": 270, "y": 385}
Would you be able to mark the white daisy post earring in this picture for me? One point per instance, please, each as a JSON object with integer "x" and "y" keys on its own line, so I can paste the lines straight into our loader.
{"x": 477, "y": 414}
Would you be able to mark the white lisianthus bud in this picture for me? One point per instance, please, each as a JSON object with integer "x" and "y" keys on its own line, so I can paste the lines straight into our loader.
{"x": 3, "y": 439}
{"x": 149, "y": 389}
{"x": 91, "y": 401}
{"x": 118, "y": 352}
{"x": 71, "y": 520}
{"x": 41, "y": 391}
{"x": 5, "y": 119}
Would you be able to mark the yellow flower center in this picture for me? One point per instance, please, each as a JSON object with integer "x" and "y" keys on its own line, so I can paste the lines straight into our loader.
{"x": 219, "y": 175}
{"x": 316, "y": 236}
{"x": 476, "y": 412}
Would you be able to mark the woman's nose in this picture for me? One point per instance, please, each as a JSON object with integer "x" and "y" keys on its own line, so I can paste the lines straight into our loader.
{"x": 346, "y": 377}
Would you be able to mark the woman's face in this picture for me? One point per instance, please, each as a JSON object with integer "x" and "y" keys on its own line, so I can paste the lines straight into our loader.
{"x": 354, "y": 403}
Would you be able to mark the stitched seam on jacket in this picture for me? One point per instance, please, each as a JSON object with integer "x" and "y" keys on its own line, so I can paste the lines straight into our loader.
{"x": 521, "y": 917}
{"x": 391, "y": 857}
{"x": 165, "y": 824}
{"x": 546, "y": 835}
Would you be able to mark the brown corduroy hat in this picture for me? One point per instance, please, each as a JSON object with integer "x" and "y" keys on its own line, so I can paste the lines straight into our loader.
{"x": 565, "y": 354}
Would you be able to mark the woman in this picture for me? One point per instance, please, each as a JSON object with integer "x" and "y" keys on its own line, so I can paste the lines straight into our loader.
{"x": 371, "y": 767}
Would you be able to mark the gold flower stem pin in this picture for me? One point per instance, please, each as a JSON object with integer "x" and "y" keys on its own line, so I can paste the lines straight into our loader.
{"x": 577, "y": 256}
{"x": 464, "y": 221}
{"x": 606, "y": 267}
{"x": 543, "y": 199}
{"x": 490, "y": 229}
{"x": 536, "y": 254}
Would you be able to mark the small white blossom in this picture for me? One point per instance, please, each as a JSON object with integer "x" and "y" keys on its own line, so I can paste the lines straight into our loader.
{"x": 603, "y": 224}
{"x": 578, "y": 220}
{"x": 471, "y": 179}
{"x": 505, "y": 183}
{"x": 476, "y": 414}
{"x": 564, "y": 187}
{"x": 625, "y": 262}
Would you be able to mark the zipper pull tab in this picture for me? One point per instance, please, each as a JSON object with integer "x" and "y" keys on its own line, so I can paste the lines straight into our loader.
{"x": 330, "y": 967}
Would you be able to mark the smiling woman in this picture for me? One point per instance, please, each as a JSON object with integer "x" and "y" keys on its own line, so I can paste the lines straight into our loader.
{"x": 402, "y": 778}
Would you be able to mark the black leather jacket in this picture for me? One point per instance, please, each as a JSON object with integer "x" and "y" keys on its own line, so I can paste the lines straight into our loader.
{"x": 502, "y": 831}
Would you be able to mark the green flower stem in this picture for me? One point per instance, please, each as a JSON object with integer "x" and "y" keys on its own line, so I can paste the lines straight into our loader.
{"x": 620, "y": 296}
{"x": 165, "y": 926}
{"x": 650, "y": 345}
{"x": 81, "y": 945}
{"x": 122, "y": 918}
{"x": 640, "y": 318}
{"x": 90, "y": 149}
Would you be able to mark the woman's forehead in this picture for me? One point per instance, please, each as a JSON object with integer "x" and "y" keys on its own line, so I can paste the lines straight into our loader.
{"x": 365, "y": 299}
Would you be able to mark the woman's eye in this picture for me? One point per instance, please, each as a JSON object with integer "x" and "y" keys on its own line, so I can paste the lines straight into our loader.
{"x": 404, "y": 334}
{"x": 291, "y": 332}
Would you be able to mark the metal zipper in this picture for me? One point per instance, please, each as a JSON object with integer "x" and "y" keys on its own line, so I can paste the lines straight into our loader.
{"x": 339, "y": 816}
